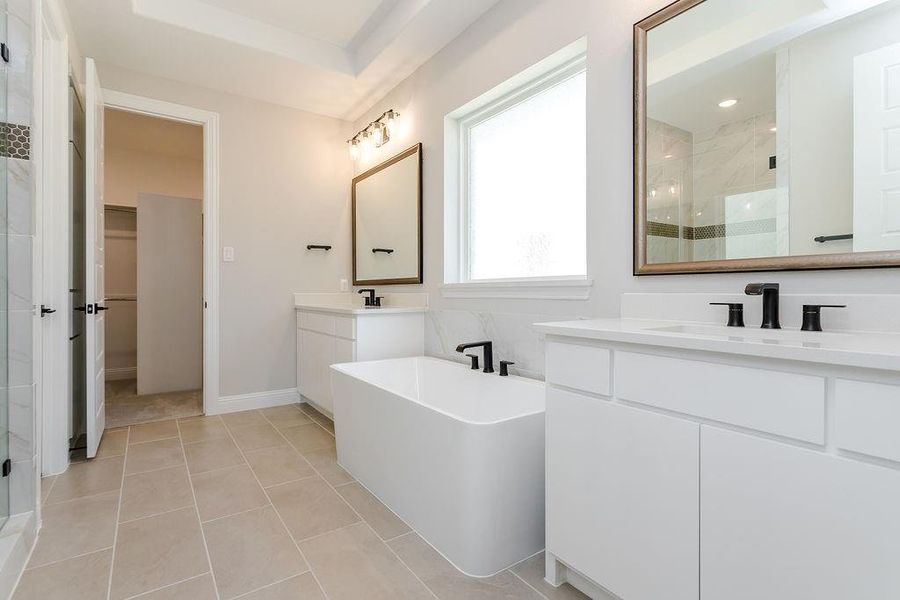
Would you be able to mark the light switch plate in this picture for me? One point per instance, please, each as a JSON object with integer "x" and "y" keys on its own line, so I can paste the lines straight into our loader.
{"x": 345, "y": 285}
{"x": 228, "y": 254}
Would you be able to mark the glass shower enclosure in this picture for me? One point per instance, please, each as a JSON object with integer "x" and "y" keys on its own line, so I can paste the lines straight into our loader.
{"x": 4, "y": 273}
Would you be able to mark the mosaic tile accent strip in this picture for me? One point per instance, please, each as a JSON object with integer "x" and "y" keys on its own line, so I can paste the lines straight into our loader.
{"x": 708, "y": 232}
{"x": 666, "y": 230}
{"x": 15, "y": 141}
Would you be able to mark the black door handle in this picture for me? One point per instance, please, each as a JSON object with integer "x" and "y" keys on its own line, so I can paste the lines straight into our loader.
{"x": 47, "y": 311}
{"x": 84, "y": 309}
{"x": 98, "y": 308}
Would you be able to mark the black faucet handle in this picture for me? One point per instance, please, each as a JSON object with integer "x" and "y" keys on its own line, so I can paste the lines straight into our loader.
{"x": 370, "y": 296}
{"x": 504, "y": 367}
{"x": 755, "y": 289}
{"x": 812, "y": 315}
{"x": 474, "y": 358}
{"x": 378, "y": 300}
{"x": 735, "y": 312}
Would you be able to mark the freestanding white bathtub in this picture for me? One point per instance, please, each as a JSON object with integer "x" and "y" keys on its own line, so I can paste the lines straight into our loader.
{"x": 458, "y": 454}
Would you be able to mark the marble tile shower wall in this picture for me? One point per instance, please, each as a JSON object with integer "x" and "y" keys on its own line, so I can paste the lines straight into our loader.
{"x": 19, "y": 230}
{"x": 670, "y": 183}
{"x": 513, "y": 335}
{"x": 729, "y": 160}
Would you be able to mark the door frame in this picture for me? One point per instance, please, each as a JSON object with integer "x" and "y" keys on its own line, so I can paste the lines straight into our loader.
{"x": 50, "y": 164}
{"x": 210, "y": 123}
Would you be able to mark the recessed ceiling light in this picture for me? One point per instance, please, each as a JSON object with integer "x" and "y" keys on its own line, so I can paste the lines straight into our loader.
{"x": 727, "y": 103}
{"x": 668, "y": 156}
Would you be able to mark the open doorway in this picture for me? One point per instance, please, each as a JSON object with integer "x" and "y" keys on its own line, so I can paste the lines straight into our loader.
{"x": 153, "y": 275}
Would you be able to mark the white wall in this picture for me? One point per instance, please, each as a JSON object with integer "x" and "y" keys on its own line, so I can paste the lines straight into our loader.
{"x": 821, "y": 114}
{"x": 131, "y": 172}
{"x": 284, "y": 183}
{"x": 512, "y": 36}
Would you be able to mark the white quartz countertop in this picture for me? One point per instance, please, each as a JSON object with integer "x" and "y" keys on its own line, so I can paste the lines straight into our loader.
{"x": 845, "y": 348}
{"x": 347, "y": 303}
{"x": 360, "y": 310}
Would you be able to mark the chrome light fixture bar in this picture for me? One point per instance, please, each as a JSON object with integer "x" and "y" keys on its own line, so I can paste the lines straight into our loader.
{"x": 374, "y": 135}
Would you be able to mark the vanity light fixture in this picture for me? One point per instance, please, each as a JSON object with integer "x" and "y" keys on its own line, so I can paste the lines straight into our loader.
{"x": 375, "y": 134}
{"x": 727, "y": 103}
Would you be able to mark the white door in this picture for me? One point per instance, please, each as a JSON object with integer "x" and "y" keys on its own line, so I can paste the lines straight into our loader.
{"x": 170, "y": 294}
{"x": 94, "y": 293}
{"x": 779, "y": 521}
{"x": 876, "y": 150}
{"x": 623, "y": 496}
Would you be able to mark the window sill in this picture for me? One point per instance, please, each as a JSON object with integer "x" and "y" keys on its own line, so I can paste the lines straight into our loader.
{"x": 570, "y": 288}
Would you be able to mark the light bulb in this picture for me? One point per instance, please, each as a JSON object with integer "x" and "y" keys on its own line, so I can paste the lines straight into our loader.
{"x": 378, "y": 135}
{"x": 672, "y": 189}
{"x": 354, "y": 149}
{"x": 653, "y": 193}
{"x": 391, "y": 122}
{"x": 728, "y": 103}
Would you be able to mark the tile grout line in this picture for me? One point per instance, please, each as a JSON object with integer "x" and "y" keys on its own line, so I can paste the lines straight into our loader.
{"x": 519, "y": 577}
{"x": 159, "y": 514}
{"x": 169, "y": 585}
{"x": 361, "y": 519}
{"x": 197, "y": 514}
{"x": 273, "y": 584}
{"x": 112, "y": 558}
{"x": 60, "y": 560}
{"x": 272, "y": 504}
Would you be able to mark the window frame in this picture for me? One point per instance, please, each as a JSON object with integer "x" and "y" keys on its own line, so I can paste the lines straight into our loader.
{"x": 572, "y": 286}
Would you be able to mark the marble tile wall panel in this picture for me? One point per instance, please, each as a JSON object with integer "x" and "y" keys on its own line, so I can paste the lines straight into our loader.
{"x": 513, "y": 335}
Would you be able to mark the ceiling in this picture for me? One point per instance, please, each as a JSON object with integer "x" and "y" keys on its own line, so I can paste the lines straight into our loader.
{"x": 334, "y": 58}
{"x": 132, "y": 131}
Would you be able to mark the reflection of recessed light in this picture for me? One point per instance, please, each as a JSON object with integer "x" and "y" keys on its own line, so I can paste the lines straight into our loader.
{"x": 668, "y": 156}
{"x": 774, "y": 129}
{"x": 727, "y": 103}
{"x": 700, "y": 214}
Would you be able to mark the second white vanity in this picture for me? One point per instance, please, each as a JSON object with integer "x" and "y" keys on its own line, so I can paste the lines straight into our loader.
{"x": 336, "y": 328}
{"x": 688, "y": 460}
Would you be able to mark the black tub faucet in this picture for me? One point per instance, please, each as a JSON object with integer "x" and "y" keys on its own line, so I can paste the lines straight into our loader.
{"x": 769, "y": 293}
{"x": 370, "y": 299}
{"x": 488, "y": 353}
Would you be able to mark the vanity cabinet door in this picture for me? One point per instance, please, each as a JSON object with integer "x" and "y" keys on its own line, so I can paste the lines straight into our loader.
{"x": 315, "y": 354}
{"x": 622, "y": 496}
{"x": 779, "y": 521}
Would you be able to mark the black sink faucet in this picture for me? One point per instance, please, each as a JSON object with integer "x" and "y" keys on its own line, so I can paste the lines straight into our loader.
{"x": 769, "y": 293}
{"x": 370, "y": 299}
{"x": 488, "y": 353}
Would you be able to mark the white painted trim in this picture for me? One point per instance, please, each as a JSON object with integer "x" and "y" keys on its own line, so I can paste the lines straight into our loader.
{"x": 573, "y": 288}
{"x": 50, "y": 139}
{"x": 121, "y": 373}
{"x": 237, "y": 403}
{"x": 210, "y": 122}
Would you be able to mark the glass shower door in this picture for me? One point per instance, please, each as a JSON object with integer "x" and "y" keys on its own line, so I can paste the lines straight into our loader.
{"x": 4, "y": 279}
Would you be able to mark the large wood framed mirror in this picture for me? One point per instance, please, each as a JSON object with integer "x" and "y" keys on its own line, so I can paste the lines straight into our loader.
{"x": 387, "y": 221}
{"x": 767, "y": 136}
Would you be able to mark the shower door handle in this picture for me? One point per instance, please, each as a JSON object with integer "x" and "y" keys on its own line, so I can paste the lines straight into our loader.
{"x": 46, "y": 311}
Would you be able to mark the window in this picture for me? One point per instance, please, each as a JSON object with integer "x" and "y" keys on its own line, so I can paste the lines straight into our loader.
{"x": 522, "y": 181}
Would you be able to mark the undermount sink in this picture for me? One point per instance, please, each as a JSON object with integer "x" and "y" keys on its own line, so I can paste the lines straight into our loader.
{"x": 789, "y": 337}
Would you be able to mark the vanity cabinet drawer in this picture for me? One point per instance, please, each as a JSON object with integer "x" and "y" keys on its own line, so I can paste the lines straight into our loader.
{"x": 867, "y": 418}
{"x": 787, "y": 404}
{"x": 583, "y": 368}
{"x": 316, "y": 322}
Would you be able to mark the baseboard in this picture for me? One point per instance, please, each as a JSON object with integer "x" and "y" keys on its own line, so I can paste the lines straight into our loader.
{"x": 229, "y": 404}
{"x": 121, "y": 373}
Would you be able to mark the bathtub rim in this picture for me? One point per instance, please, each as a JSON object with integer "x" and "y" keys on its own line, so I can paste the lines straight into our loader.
{"x": 342, "y": 368}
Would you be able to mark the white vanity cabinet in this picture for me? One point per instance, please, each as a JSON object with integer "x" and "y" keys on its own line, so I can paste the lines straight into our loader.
{"x": 327, "y": 336}
{"x": 714, "y": 471}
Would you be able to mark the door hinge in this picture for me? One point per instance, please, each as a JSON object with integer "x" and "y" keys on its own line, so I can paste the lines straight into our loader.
{"x": 7, "y": 467}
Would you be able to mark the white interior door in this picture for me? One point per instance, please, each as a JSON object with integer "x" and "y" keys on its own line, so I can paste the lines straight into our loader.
{"x": 876, "y": 150}
{"x": 170, "y": 294}
{"x": 94, "y": 293}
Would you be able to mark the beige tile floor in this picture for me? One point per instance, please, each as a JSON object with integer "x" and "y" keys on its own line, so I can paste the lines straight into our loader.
{"x": 124, "y": 406}
{"x": 250, "y": 505}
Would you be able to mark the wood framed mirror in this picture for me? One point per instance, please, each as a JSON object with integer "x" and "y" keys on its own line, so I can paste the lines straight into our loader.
{"x": 767, "y": 136}
{"x": 387, "y": 221}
